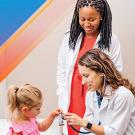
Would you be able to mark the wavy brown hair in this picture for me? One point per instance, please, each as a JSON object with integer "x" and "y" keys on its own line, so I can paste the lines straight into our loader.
{"x": 99, "y": 62}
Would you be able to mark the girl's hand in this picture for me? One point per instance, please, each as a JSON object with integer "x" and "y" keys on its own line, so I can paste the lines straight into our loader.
{"x": 56, "y": 112}
{"x": 73, "y": 119}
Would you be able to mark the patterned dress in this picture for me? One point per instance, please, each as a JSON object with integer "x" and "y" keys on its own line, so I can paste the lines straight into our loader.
{"x": 24, "y": 128}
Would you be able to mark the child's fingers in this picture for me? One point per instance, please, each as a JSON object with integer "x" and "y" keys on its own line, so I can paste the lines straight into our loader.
{"x": 59, "y": 110}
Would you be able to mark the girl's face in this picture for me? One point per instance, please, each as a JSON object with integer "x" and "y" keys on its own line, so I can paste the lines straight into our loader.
{"x": 93, "y": 80}
{"x": 89, "y": 20}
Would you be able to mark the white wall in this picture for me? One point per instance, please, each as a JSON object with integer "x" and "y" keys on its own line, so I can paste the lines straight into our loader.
{"x": 39, "y": 67}
{"x": 124, "y": 25}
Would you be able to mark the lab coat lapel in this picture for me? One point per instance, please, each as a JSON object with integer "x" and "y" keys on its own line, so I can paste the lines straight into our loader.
{"x": 72, "y": 56}
{"x": 104, "y": 104}
{"x": 95, "y": 108}
{"x": 74, "y": 53}
{"x": 108, "y": 95}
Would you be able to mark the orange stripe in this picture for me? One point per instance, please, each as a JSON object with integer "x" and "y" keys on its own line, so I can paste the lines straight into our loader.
{"x": 16, "y": 62}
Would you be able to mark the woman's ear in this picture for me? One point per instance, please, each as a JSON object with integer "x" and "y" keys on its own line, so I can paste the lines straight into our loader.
{"x": 102, "y": 74}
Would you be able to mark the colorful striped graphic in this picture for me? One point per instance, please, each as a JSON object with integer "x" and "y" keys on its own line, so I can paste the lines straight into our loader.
{"x": 19, "y": 45}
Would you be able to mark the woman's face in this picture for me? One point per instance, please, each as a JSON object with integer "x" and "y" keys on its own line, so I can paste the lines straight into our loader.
{"x": 93, "y": 80}
{"x": 89, "y": 20}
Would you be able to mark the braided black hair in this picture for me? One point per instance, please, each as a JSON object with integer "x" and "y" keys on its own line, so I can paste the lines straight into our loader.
{"x": 105, "y": 26}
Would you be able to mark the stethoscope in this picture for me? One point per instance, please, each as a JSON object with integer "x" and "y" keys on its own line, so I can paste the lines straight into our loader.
{"x": 62, "y": 123}
{"x": 82, "y": 132}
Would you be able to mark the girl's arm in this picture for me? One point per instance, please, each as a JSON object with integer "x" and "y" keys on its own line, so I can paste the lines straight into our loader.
{"x": 46, "y": 123}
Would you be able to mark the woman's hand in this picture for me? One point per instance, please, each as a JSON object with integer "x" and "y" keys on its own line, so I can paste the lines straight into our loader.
{"x": 73, "y": 119}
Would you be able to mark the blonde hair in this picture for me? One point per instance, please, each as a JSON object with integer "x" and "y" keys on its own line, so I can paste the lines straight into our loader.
{"x": 27, "y": 95}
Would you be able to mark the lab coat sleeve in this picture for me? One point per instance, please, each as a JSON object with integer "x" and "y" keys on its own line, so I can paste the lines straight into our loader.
{"x": 121, "y": 115}
{"x": 116, "y": 52}
{"x": 89, "y": 107}
{"x": 89, "y": 111}
{"x": 61, "y": 71}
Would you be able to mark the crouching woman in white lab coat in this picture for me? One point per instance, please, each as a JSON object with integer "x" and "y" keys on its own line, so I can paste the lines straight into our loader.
{"x": 110, "y": 101}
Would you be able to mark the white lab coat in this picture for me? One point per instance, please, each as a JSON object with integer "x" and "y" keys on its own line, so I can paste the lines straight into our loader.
{"x": 66, "y": 61}
{"x": 116, "y": 113}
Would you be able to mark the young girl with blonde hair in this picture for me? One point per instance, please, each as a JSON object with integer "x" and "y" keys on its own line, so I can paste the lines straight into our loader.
{"x": 24, "y": 104}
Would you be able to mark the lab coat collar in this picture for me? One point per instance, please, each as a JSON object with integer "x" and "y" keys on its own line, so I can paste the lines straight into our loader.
{"x": 109, "y": 92}
{"x": 107, "y": 96}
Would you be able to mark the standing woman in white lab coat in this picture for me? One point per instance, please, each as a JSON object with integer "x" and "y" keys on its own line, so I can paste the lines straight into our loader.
{"x": 91, "y": 27}
{"x": 110, "y": 101}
